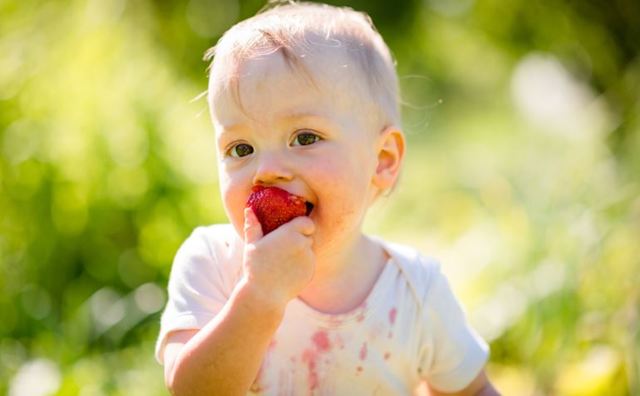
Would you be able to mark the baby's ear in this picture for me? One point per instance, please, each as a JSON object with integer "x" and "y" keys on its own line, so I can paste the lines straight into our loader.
{"x": 390, "y": 150}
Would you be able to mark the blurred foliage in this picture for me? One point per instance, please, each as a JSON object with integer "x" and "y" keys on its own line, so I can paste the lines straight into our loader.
{"x": 522, "y": 176}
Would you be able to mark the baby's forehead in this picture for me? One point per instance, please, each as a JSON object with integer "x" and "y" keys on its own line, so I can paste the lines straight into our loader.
{"x": 312, "y": 77}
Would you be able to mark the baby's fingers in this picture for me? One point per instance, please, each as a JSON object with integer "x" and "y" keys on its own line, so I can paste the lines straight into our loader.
{"x": 303, "y": 225}
{"x": 252, "y": 227}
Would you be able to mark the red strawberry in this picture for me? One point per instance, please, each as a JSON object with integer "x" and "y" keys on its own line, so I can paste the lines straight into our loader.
{"x": 274, "y": 206}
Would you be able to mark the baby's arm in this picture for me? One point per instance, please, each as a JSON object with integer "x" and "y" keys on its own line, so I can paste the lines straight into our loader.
{"x": 225, "y": 355}
{"x": 480, "y": 386}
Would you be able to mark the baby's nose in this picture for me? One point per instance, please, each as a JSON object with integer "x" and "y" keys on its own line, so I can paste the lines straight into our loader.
{"x": 271, "y": 169}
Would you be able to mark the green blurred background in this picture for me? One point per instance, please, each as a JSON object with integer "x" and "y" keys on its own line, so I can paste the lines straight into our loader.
{"x": 522, "y": 176}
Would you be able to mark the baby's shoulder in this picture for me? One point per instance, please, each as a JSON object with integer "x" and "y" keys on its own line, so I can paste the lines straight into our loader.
{"x": 426, "y": 281}
{"x": 218, "y": 242}
{"x": 420, "y": 271}
{"x": 211, "y": 257}
{"x": 214, "y": 234}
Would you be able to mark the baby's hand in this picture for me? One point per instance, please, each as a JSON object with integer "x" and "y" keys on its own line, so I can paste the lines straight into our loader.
{"x": 279, "y": 265}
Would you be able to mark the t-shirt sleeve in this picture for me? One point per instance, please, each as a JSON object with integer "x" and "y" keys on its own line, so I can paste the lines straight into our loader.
{"x": 199, "y": 285}
{"x": 453, "y": 354}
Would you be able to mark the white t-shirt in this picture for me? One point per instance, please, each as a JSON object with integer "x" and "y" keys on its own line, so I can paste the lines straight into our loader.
{"x": 410, "y": 328}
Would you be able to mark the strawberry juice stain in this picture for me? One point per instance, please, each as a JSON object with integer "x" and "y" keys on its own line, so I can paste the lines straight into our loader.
{"x": 321, "y": 345}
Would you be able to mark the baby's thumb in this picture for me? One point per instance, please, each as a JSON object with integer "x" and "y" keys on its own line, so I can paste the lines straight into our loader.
{"x": 252, "y": 227}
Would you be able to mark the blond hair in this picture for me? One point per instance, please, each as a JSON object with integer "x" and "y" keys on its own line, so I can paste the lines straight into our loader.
{"x": 294, "y": 29}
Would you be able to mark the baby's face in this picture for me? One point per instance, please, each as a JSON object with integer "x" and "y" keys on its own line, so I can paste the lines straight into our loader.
{"x": 315, "y": 141}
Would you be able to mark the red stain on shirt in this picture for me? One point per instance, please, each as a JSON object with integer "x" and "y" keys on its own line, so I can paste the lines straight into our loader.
{"x": 387, "y": 355}
{"x": 321, "y": 344}
{"x": 309, "y": 357}
{"x": 392, "y": 316}
{"x": 321, "y": 341}
{"x": 363, "y": 351}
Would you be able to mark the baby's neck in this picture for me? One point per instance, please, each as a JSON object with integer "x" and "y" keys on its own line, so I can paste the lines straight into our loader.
{"x": 344, "y": 278}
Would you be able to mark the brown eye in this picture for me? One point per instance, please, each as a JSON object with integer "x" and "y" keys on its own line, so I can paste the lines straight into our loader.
{"x": 305, "y": 139}
{"x": 241, "y": 150}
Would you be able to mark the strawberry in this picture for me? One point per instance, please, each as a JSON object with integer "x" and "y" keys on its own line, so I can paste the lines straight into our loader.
{"x": 274, "y": 207}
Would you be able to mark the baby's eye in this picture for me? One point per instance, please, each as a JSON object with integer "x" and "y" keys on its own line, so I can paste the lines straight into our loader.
{"x": 240, "y": 150}
{"x": 305, "y": 139}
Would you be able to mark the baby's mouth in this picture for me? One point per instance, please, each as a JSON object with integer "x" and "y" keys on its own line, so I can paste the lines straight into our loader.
{"x": 274, "y": 206}
{"x": 309, "y": 206}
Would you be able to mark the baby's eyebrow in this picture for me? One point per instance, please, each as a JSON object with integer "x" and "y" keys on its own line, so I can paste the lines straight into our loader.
{"x": 302, "y": 115}
{"x": 316, "y": 119}
{"x": 239, "y": 126}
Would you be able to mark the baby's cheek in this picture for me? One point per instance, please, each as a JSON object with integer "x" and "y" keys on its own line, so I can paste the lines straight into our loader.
{"x": 233, "y": 205}
{"x": 345, "y": 191}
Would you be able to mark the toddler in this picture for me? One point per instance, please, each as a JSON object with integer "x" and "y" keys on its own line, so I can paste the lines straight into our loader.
{"x": 304, "y": 97}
